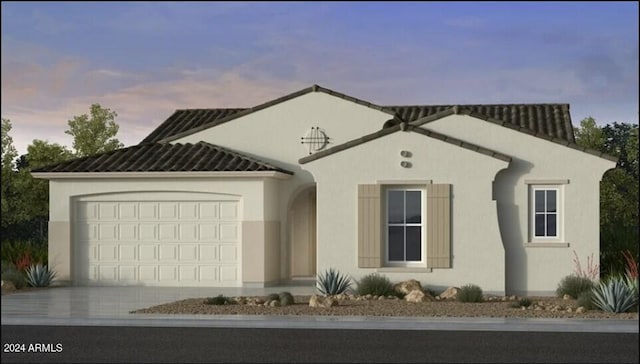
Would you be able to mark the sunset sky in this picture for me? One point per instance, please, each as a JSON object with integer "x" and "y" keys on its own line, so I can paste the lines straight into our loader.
{"x": 144, "y": 60}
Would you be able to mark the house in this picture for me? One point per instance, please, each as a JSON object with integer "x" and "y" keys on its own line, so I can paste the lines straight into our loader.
{"x": 496, "y": 195}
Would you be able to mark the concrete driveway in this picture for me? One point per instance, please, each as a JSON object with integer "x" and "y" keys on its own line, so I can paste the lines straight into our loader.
{"x": 110, "y": 306}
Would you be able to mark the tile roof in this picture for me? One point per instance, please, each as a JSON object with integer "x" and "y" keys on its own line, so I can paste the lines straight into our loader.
{"x": 164, "y": 157}
{"x": 553, "y": 120}
{"x": 406, "y": 127}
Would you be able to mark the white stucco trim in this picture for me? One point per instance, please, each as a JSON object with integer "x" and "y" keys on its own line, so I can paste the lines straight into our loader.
{"x": 230, "y": 174}
{"x": 546, "y": 181}
{"x": 404, "y": 182}
{"x": 546, "y": 245}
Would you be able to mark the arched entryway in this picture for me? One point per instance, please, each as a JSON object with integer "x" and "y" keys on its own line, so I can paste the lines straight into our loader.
{"x": 302, "y": 234}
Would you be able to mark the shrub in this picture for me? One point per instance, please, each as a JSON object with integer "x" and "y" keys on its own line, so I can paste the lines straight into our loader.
{"x": 218, "y": 300}
{"x": 273, "y": 297}
{"x": 573, "y": 285}
{"x": 332, "y": 282}
{"x": 524, "y": 302}
{"x": 614, "y": 295}
{"x": 15, "y": 276}
{"x": 39, "y": 275}
{"x": 16, "y": 250}
{"x": 376, "y": 285}
{"x": 470, "y": 293}
{"x": 585, "y": 299}
{"x": 286, "y": 299}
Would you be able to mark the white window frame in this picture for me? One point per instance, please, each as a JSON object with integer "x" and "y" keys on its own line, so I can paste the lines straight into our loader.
{"x": 422, "y": 224}
{"x": 559, "y": 237}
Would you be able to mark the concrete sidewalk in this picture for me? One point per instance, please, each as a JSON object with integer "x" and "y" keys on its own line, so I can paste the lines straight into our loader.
{"x": 110, "y": 306}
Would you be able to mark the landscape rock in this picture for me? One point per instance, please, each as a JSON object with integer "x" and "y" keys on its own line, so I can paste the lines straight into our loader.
{"x": 415, "y": 296}
{"x": 580, "y": 309}
{"x": 449, "y": 293}
{"x": 566, "y": 297}
{"x": 407, "y": 287}
{"x": 316, "y": 301}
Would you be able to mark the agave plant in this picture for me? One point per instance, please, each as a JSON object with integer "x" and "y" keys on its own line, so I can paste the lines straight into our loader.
{"x": 39, "y": 275}
{"x": 332, "y": 282}
{"x": 614, "y": 295}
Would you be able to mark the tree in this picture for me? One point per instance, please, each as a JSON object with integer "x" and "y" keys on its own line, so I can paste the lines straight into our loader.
{"x": 9, "y": 153}
{"x": 618, "y": 190}
{"x": 94, "y": 134}
{"x": 589, "y": 134}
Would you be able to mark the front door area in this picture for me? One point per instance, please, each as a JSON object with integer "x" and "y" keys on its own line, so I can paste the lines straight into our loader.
{"x": 302, "y": 234}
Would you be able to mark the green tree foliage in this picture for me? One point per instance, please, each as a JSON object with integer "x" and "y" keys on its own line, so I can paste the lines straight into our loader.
{"x": 9, "y": 153}
{"x": 618, "y": 190}
{"x": 95, "y": 133}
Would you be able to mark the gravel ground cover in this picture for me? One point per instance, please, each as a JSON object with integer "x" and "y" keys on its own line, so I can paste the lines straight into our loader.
{"x": 542, "y": 307}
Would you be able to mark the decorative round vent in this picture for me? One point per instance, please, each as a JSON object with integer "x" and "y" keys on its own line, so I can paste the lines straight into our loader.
{"x": 315, "y": 139}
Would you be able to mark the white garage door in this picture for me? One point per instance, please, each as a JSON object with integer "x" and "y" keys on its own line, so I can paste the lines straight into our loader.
{"x": 159, "y": 243}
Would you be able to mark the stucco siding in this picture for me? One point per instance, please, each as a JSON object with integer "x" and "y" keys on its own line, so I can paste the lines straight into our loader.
{"x": 477, "y": 251}
{"x": 536, "y": 269}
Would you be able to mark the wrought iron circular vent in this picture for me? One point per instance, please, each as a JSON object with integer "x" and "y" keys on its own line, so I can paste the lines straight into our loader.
{"x": 315, "y": 139}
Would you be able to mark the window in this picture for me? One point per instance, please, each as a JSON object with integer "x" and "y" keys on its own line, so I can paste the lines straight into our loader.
{"x": 546, "y": 213}
{"x": 404, "y": 226}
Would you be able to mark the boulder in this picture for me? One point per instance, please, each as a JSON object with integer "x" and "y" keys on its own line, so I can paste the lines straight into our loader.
{"x": 407, "y": 287}
{"x": 415, "y": 296}
{"x": 316, "y": 301}
{"x": 449, "y": 293}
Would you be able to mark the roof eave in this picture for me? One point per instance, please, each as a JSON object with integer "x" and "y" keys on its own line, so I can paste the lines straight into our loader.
{"x": 160, "y": 175}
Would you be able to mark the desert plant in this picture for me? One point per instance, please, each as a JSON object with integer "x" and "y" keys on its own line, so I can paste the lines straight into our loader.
{"x": 39, "y": 275}
{"x": 573, "y": 285}
{"x": 585, "y": 299}
{"x": 613, "y": 295}
{"x": 332, "y": 282}
{"x": 7, "y": 266}
{"x": 218, "y": 300}
{"x": 524, "y": 302}
{"x": 12, "y": 274}
{"x": 15, "y": 251}
{"x": 592, "y": 270}
{"x": 470, "y": 293}
{"x": 273, "y": 297}
{"x": 286, "y": 299}
{"x": 375, "y": 285}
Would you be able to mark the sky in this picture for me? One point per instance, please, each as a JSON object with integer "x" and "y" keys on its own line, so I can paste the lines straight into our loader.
{"x": 146, "y": 59}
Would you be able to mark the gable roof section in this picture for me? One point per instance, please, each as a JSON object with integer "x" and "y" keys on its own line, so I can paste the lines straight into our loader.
{"x": 405, "y": 127}
{"x": 462, "y": 110}
{"x": 161, "y": 157}
{"x": 189, "y": 121}
{"x": 553, "y": 120}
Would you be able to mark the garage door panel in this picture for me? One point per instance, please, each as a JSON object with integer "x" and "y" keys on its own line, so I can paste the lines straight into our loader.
{"x": 107, "y": 252}
{"x": 228, "y": 211}
{"x": 108, "y": 231}
{"x": 209, "y": 274}
{"x": 168, "y": 273}
{"x": 228, "y": 253}
{"x": 108, "y": 211}
{"x": 128, "y": 231}
{"x": 168, "y": 210}
{"x": 228, "y": 273}
{"x": 228, "y": 232}
{"x": 188, "y": 210}
{"x": 148, "y": 232}
{"x": 128, "y": 252}
{"x": 148, "y": 210}
{"x": 168, "y": 232}
{"x": 188, "y": 231}
{"x": 162, "y": 243}
{"x": 188, "y": 252}
{"x": 209, "y": 210}
{"x": 208, "y": 252}
{"x": 128, "y": 211}
{"x": 188, "y": 273}
{"x": 148, "y": 253}
{"x": 168, "y": 252}
{"x": 208, "y": 232}
{"x": 148, "y": 273}
{"x": 128, "y": 273}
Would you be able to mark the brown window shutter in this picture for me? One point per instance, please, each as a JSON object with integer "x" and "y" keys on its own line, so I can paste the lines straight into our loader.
{"x": 369, "y": 230}
{"x": 439, "y": 226}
